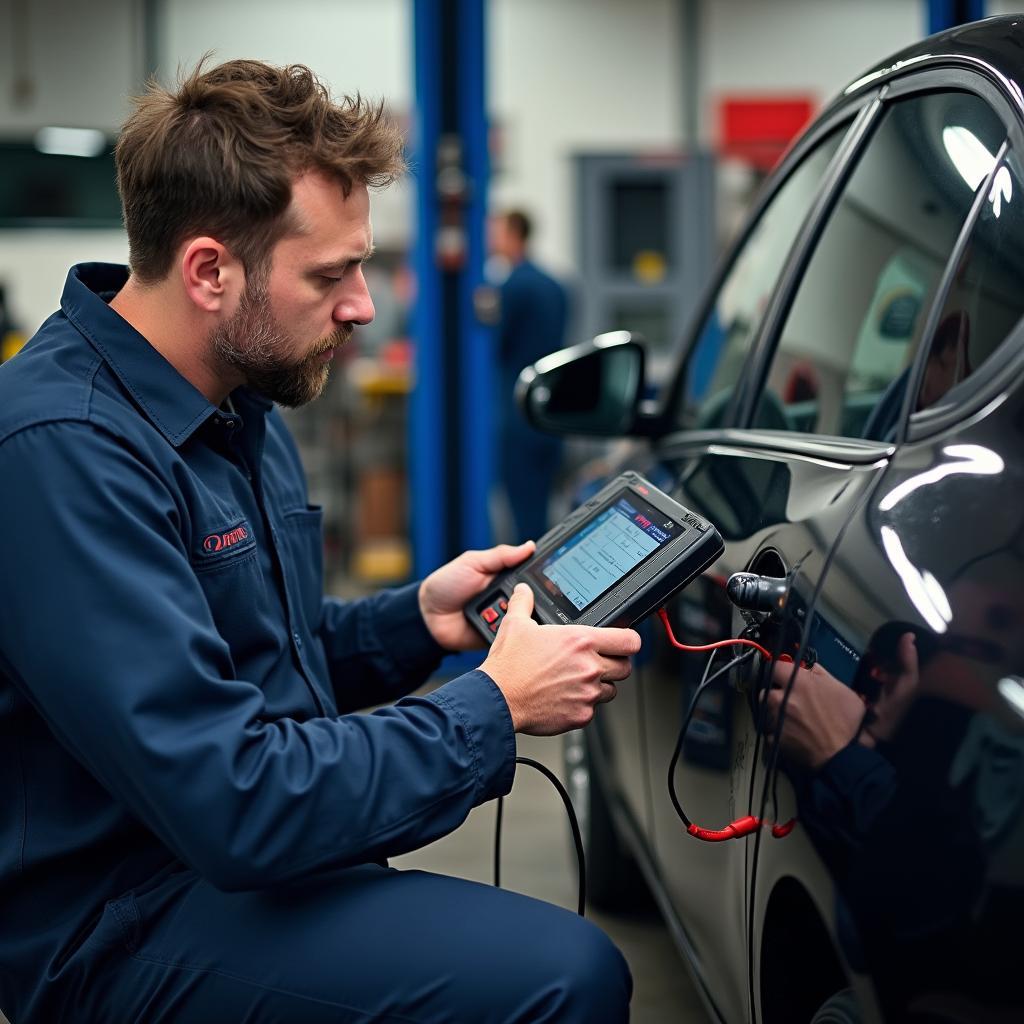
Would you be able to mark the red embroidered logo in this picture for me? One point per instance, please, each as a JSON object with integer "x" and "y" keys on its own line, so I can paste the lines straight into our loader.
{"x": 221, "y": 541}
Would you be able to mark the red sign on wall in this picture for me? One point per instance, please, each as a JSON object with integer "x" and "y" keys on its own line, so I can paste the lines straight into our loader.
{"x": 758, "y": 129}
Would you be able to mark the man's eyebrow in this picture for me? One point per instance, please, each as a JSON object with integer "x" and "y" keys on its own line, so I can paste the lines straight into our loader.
{"x": 344, "y": 261}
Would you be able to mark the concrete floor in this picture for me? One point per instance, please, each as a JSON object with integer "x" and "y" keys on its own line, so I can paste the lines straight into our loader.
{"x": 538, "y": 859}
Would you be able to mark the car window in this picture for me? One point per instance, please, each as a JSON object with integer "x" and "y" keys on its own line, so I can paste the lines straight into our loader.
{"x": 724, "y": 339}
{"x": 986, "y": 296}
{"x": 843, "y": 358}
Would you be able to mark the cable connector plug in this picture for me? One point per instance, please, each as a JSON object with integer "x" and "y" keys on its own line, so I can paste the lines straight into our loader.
{"x": 734, "y": 830}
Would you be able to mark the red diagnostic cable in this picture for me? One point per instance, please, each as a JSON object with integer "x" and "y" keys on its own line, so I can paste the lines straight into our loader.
{"x": 697, "y": 648}
{"x": 741, "y": 826}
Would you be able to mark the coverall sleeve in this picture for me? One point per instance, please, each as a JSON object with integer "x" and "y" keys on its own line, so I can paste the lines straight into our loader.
{"x": 107, "y": 632}
{"x": 378, "y": 648}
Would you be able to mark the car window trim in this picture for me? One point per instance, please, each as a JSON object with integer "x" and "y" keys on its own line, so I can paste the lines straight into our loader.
{"x": 839, "y": 451}
{"x": 847, "y": 158}
{"x": 979, "y": 79}
{"x": 944, "y": 79}
{"x": 941, "y": 294}
{"x": 847, "y": 112}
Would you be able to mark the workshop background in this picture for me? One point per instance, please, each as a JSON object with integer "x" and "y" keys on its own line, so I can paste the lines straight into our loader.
{"x": 648, "y": 122}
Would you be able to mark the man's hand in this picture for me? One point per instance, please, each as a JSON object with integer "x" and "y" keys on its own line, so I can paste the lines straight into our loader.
{"x": 444, "y": 593}
{"x": 553, "y": 676}
{"x": 899, "y": 689}
{"x": 822, "y": 714}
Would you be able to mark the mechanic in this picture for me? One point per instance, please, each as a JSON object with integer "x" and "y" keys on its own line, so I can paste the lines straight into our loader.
{"x": 195, "y": 825}
{"x": 533, "y": 308}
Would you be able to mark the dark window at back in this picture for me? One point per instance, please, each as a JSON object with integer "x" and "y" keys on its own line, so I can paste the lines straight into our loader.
{"x": 44, "y": 189}
{"x": 640, "y": 223}
{"x": 843, "y": 359}
{"x": 986, "y": 298}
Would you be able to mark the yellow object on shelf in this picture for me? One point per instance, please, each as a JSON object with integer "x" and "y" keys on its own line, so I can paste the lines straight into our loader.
{"x": 382, "y": 560}
{"x": 374, "y": 379}
{"x": 649, "y": 266}
{"x": 11, "y": 345}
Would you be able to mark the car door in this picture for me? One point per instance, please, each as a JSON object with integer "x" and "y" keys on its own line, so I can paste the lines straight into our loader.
{"x": 914, "y": 847}
{"x": 724, "y": 340}
{"x": 842, "y": 326}
{"x": 864, "y": 313}
{"x": 703, "y": 406}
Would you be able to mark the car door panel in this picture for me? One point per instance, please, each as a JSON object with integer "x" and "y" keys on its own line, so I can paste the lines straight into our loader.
{"x": 927, "y": 881}
{"x": 763, "y": 501}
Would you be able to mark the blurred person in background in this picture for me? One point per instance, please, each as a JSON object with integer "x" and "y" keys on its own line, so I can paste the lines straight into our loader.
{"x": 196, "y": 824}
{"x": 533, "y": 309}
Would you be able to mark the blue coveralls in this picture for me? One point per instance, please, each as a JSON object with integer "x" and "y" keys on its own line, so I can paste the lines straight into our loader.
{"x": 534, "y": 307}
{"x": 190, "y": 832}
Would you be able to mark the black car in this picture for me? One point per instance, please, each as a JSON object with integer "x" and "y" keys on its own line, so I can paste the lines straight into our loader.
{"x": 848, "y": 409}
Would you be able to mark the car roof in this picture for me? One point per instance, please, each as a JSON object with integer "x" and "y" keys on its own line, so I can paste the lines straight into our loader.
{"x": 994, "y": 47}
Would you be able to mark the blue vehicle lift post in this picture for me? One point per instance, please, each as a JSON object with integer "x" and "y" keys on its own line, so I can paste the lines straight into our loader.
{"x": 451, "y": 434}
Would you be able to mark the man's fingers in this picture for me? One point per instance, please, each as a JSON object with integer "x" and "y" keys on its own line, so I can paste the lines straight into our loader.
{"x": 520, "y": 604}
{"x": 615, "y": 643}
{"x": 616, "y": 669}
{"x": 502, "y": 556}
{"x": 608, "y": 693}
{"x": 771, "y": 700}
{"x": 907, "y": 650}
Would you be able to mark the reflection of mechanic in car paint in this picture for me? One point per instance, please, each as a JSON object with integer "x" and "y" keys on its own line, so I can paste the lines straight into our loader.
{"x": 908, "y": 797}
{"x": 947, "y": 364}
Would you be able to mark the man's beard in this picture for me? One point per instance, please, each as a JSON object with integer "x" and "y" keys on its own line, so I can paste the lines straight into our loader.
{"x": 253, "y": 341}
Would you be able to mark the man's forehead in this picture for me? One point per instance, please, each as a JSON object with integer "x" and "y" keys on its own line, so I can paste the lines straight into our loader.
{"x": 327, "y": 223}
{"x": 317, "y": 197}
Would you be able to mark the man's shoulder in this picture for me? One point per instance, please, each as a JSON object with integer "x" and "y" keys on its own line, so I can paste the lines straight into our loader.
{"x": 528, "y": 276}
{"x": 56, "y": 378}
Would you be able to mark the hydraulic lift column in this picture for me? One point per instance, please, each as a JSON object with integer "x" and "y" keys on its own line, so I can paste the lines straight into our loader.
{"x": 451, "y": 439}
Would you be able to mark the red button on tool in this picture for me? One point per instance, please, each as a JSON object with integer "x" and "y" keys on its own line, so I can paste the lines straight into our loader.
{"x": 489, "y": 615}
{"x": 503, "y": 605}
{"x": 493, "y": 627}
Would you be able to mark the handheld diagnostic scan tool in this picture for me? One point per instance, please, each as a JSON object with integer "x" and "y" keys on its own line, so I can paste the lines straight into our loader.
{"x": 611, "y": 562}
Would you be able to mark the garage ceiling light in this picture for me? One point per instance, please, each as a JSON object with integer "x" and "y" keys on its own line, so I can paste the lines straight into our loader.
{"x": 71, "y": 141}
{"x": 968, "y": 153}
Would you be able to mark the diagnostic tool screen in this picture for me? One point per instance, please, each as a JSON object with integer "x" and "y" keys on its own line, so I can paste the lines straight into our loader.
{"x": 626, "y": 532}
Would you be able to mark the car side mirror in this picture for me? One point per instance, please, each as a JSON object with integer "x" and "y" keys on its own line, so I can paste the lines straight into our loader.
{"x": 594, "y": 388}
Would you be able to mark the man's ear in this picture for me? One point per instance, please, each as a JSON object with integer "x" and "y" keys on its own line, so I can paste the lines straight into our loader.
{"x": 214, "y": 279}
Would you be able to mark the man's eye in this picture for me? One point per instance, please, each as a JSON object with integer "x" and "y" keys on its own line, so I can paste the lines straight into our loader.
{"x": 329, "y": 280}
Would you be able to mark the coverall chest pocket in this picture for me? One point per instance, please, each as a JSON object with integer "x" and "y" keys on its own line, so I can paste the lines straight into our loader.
{"x": 303, "y": 536}
{"x": 226, "y": 563}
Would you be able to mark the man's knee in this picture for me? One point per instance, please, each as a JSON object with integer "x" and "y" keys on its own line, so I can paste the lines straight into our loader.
{"x": 594, "y": 979}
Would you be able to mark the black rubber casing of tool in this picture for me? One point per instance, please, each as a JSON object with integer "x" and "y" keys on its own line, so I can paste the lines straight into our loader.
{"x": 694, "y": 545}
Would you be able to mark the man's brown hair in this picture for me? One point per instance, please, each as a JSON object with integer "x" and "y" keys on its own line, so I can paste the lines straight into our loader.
{"x": 218, "y": 157}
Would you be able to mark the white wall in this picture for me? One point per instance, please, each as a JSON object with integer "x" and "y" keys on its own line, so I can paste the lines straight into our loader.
{"x": 814, "y": 46}
{"x": 34, "y": 264}
{"x": 603, "y": 75}
{"x": 354, "y": 46}
{"x": 80, "y": 60}
{"x": 994, "y": 7}
{"x": 565, "y": 76}
{"x": 577, "y": 75}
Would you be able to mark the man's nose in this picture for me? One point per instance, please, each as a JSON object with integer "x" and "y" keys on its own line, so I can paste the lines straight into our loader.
{"x": 355, "y": 306}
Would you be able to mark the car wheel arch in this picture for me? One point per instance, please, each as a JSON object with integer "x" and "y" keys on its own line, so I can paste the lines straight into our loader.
{"x": 796, "y": 943}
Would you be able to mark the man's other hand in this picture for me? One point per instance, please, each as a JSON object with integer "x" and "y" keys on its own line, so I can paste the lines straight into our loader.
{"x": 444, "y": 593}
{"x": 822, "y": 713}
{"x": 552, "y": 677}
